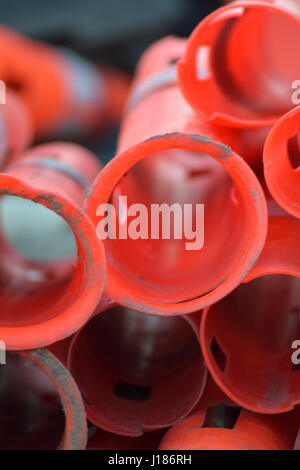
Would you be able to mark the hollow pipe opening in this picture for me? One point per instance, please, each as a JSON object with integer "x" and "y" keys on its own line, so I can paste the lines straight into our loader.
{"x": 247, "y": 341}
{"x": 32, "y": 416}
{"x": 236, "y": 69}
{"x": 137, "y": 372}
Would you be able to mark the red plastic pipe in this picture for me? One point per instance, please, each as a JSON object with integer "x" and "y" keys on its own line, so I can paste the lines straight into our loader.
{"x": 45, "y": 302}
{"x": 167, "y": 155}
{"x": 235, "y": 70}
{"x": 103, "y": 440}
{"x": 137, "y": 372}
{"x": 62, "y": 91}
{"x": 217, "y": 424}
{"x": 60, "y": 348}
{"x": 282, "y": 162}
{"x": 247, "y": 339}
{"x": 15, "y": 128}
{"x": 41, "y": 406}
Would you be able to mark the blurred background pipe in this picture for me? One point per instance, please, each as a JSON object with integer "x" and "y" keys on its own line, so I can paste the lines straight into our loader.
{"x": 16, "y": 131}
{"x": 63, "y": 92}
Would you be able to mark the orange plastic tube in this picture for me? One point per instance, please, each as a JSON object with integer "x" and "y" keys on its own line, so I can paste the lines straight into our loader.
{"x": 16, "y": 131}
{"x": 217, "y": 424}
{"x": 137, "y": 372}
{"x": 235, "y": 70}
{"x": 44, "y": 302}
{"x": 103, "y": 440}
{"x": 248, "y": 338}
{"x": 41, "y": 406}
{"x": 62, "y": 91}
{"x": 282, "y": 162}
{"x": 167, "y": 155}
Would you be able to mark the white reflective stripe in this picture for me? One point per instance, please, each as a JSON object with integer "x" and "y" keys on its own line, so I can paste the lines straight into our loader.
{"x": 154, "y": 83}
{"x": 56, "y": 165}
{"x": 85, "y": 80}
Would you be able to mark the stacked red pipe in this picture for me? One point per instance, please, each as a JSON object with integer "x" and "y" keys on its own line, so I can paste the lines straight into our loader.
{"x": 149, "y": 345}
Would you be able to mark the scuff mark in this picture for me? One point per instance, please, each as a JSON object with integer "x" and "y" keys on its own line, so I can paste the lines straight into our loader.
{"x": 226, "y": 151}
{"x": 51, "y": 201}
